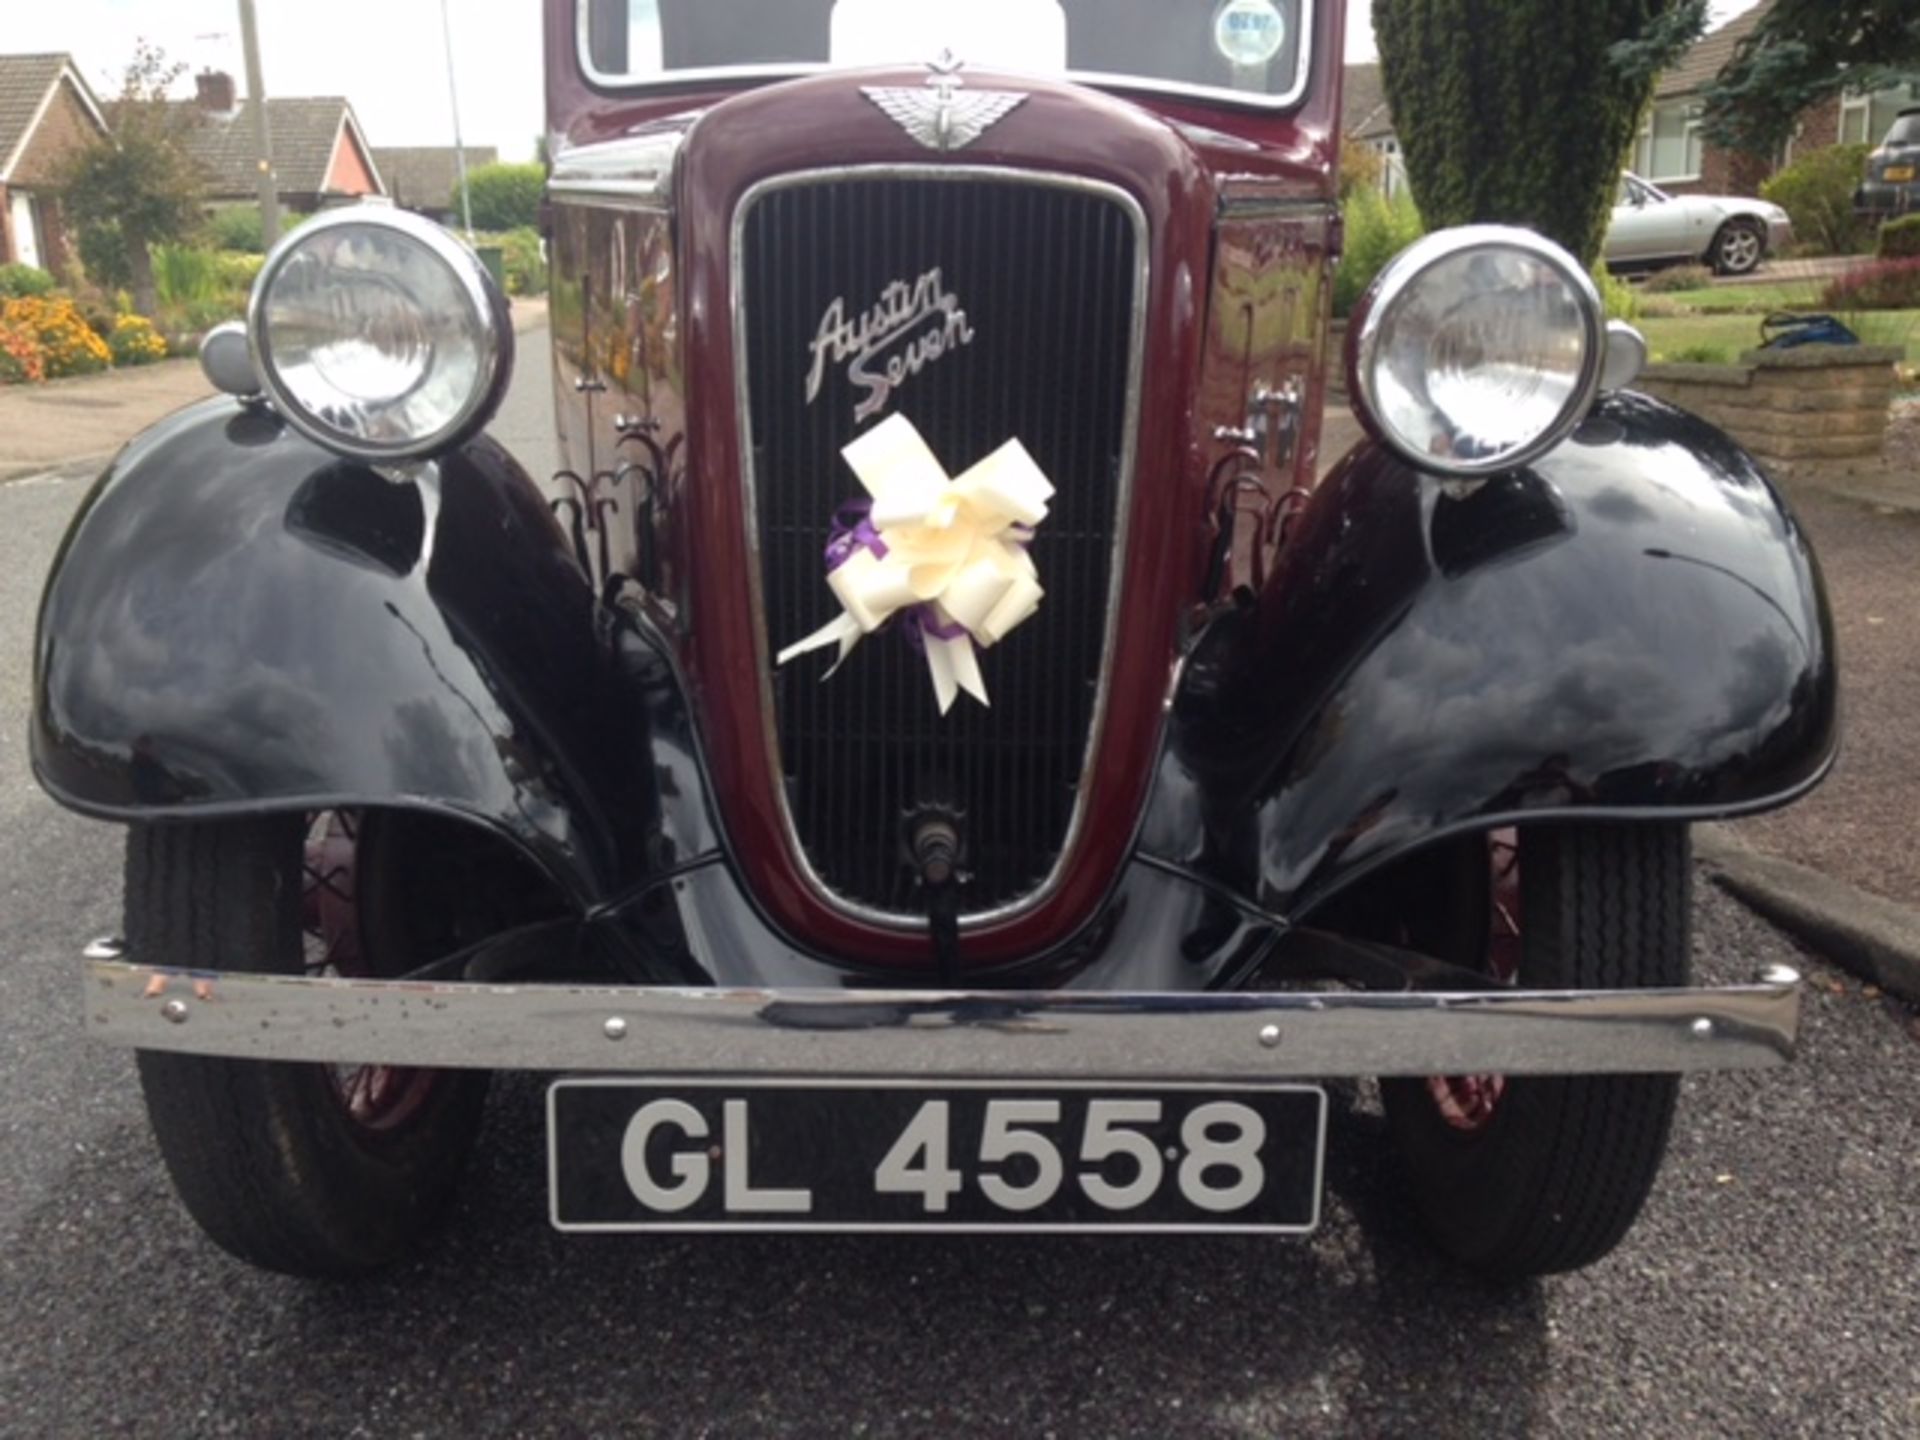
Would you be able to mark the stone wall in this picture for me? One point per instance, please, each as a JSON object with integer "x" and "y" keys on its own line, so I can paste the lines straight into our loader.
{"x": 1817, "y": 402}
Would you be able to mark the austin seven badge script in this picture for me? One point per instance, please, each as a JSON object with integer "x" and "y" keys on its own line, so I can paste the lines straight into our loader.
{"x": 891, "y": 342}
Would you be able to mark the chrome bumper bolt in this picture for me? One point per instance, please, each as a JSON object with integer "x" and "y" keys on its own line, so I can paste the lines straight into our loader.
{"x": 175, "y": 1011}
{"x": 1701, "y": 1029}
{"x": 1270, "y": 1036}
{"x": 615, "y": 1028}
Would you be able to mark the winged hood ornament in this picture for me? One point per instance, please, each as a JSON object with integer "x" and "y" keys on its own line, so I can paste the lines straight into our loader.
{"x": 943, "y": 114}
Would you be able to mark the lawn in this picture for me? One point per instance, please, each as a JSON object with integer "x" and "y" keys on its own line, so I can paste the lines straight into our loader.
{"x": 1787, "y": 295}
{"x": 1690, "y": 336}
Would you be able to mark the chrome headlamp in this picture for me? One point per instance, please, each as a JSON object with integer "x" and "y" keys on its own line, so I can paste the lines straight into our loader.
{"x": 1477, "y": 350}
{"x": 379, "y": 335}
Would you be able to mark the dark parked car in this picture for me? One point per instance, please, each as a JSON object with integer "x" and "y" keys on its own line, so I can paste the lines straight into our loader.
{"x": 1892, "y": 184}
{"x": 937, "y": 756}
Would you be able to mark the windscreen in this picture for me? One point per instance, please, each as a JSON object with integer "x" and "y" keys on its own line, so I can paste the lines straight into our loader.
{"x": 1248, "y": 50}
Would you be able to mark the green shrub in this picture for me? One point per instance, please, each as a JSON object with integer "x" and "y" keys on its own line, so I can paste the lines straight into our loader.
{"x": 1880, "y": 285}
{"x": 236, "y": 227}
{"x": 203, "y": 315}
{"x": 1377, "y": 230}
{"x": 1817, "y": 191}
{"x": 21, "y": 281}
{"x": 103, "y": 254}
{"x": 1361, "y": 167}
{"x": 525, "y": 266}
{"x": 1899, "y": 239}
{"x": 1678, "y": 277}
{"x": 134, "y": 341}
{"x": 237, "y": 269}
{"x": 1517, "y": 112}
{"x": 1616, "y": 294}
{"x": 504, "y": 197}
{"x": 1698, "y": 355}
{"x": 185, "y": 273}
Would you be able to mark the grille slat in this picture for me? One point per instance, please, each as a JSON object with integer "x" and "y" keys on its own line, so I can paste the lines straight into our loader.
{"x": 1046, "y": 276}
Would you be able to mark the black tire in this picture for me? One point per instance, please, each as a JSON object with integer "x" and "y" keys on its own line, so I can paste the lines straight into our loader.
{"x": 265, "y": 1155}
{"x": 1559, "y": 1172}
{"x": 1738, "y": 248}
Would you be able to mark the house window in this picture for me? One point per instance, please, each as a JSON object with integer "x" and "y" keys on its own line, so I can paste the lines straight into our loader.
{"x": 1864, "y": 119}
{"x": 1393, "y": 168}
{"x": 1668, "y": 147}
{"x": 27, "y": 249}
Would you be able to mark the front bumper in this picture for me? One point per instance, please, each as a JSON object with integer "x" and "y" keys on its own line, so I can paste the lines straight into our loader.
{"x": 1885, "y": 200}
{"x": 1236, "y": 1035}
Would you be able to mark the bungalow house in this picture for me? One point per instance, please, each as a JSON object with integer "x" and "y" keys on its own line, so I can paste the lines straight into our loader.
{"x": 320, "y": 155}
{"x": 1365, "y": 119}
{"x": 1670, "y": 149}
{"x": 422, "y": 178}
{"x": 46, "y": 113}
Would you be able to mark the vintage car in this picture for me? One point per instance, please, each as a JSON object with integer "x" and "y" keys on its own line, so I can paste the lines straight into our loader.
{"x": 943, "y": 752}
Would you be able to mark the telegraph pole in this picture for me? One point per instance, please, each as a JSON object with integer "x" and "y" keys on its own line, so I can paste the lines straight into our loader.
{"x": 459, "y": 149}
{"x": 262, "y": 132}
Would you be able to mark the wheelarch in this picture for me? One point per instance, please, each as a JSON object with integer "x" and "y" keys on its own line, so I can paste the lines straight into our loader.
{"x": 240, "y": 623}
{"x": 1634, "y": 629}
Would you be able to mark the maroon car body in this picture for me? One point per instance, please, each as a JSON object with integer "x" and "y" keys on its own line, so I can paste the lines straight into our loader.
{"x": 1378, "y": 767}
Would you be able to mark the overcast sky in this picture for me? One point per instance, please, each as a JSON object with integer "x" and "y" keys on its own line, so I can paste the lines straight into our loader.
{"x": 386, "y": 56}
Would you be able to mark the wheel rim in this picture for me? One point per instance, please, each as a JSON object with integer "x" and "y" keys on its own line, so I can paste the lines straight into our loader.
{"x": 1740, "y": 250}
{"x": 1468, "y": 1103}
{"x": 377, "y": 1098}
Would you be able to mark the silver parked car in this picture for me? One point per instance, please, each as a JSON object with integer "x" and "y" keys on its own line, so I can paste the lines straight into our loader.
{"x": 1732, "y": 234}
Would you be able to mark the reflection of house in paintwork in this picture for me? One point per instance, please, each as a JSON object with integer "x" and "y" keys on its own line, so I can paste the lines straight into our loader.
{"x": 320, "y": 155}
{"x": 46, "y": 114}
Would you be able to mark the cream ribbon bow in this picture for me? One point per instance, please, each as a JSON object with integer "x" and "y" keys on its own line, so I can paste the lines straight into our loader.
{"x": 955, "y": 549}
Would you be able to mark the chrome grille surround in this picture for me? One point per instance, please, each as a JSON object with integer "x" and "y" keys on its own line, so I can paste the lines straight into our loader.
{"x": 1123, "y": 503}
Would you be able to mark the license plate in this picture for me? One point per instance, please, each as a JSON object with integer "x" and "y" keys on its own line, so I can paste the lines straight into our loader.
{"x": 1898, "y": 172}
{"x": 681, "y": 1154}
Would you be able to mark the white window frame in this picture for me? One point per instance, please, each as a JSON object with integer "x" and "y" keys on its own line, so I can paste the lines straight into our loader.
{"x": 1861, "y": 104}
{"x": 1393, "y": 168}
{"x": 1692, "y": 142}
{"x": 1854, "y": 105}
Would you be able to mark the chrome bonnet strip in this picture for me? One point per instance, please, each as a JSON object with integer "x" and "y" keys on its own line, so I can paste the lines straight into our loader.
{"x": 966, "y": 1033}
{"x": 636, "y": 171}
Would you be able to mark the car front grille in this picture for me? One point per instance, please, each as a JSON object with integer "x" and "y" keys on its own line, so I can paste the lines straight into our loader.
{"x": 1047, "y": 273}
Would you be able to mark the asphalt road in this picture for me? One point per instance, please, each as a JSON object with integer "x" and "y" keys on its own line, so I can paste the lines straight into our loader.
{"x": 1773, "y": 1287}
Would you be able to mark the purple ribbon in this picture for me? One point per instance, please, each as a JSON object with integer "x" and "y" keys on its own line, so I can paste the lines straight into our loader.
{"x": 920, "y": 621}
{"x": 853, "y": 530}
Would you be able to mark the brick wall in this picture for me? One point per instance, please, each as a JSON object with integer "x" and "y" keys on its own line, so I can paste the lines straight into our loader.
{"x": 1819, "y": 126}
{"x": 1819, "y": 402}
{"x": 1733, "y": 172}
{"x": 347, "y": 172}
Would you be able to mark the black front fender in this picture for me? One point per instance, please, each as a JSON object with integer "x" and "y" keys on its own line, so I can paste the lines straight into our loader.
{"x": 240, "y": 621}
{"x": 1635, "y": 627}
